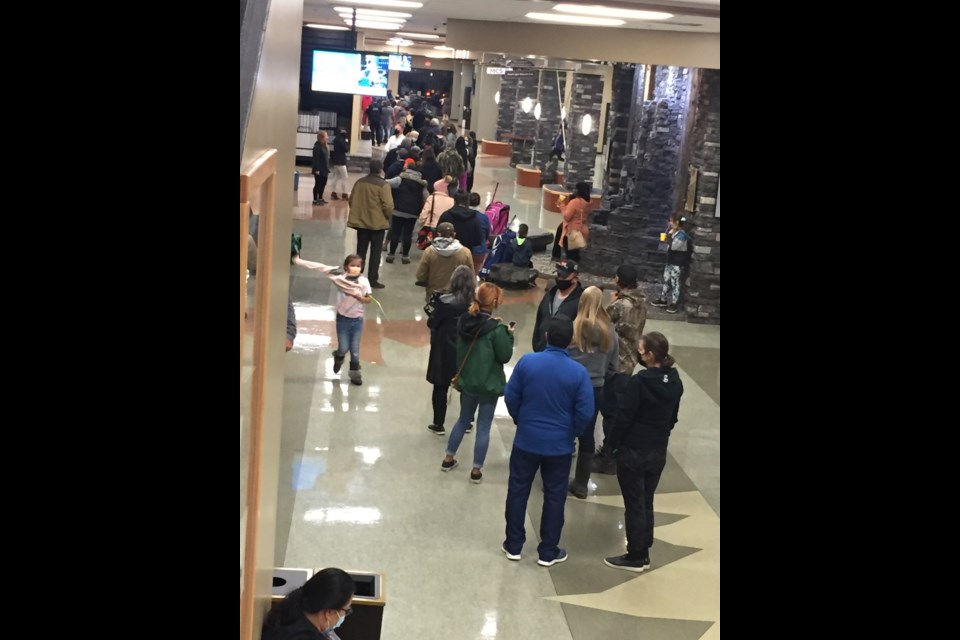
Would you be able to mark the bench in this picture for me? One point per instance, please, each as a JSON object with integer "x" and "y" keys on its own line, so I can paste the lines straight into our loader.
{"x": 528, "y": 175}
{"x": 493, "y": 148}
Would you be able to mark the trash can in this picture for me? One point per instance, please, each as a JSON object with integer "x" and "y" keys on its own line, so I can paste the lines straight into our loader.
{"x": 286, "y": 580}
{"x": 296, "y": 180}
{"x": 369, "y": 599}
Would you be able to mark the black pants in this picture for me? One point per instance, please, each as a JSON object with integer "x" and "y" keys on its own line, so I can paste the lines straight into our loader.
{"x": 470, "y": 181}
{"x": 374, "y": 240}
{"x": 440, "y": 404}
{"x": 572, "y": 254}
{"x": 612, "y": 388}
{"x": 586, "y": 440}
{"x": 319, "y": 184}
{"x": 401, "y": 229}
{"x": 639, "y": 474}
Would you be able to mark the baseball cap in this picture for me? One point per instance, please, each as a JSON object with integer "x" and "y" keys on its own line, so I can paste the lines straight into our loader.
{"x": 567, "y": 267}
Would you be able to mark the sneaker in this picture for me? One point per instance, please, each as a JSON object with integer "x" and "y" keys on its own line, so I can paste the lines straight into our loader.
{"x": 344, "y": 196}
{"x": 671, "y": 308}
{"x": 476, "y": 476}
{"x": 316, "y": 202}
{"x": 626, "y": 563}
{"x": 437, "y": 429}
{"x": 334, "y": 196}
{"x": 659, "y": 302}
{"x": 561, "y": 557}
{"x": 377, "y": 285}
{"x": 469, "y": 428}
{"x": 646, "y": 561}
{"x": 577, "y": 492}
{"x": 446, "y": 466}
{"x": 510, "y": 556}
{"x": 390, "y": 258}
{"x": 338, "y": 361}
{"x": 404, "y": 259}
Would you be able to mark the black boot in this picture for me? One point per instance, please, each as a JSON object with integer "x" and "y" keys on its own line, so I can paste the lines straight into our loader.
{"x": 338, "y": 361}
{"x": 355, "y": 373}
{"x": 581, "y": 480}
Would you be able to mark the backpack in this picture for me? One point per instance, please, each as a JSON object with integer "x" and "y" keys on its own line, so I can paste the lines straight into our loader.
{"x": 498, "y": 214}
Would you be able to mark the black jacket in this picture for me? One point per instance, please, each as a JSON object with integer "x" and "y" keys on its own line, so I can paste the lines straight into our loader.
{"x": 321, "y": 159}
{"x": 648, "y": 410}
{"x": 431, "y": 173}
{"x": 567, "y": 308}
{"x": 443, "y": 311}
{"x": 302, "y": 629}
{"x": 408, "y": 197}
{"x": 340, "y": 149}
{"x": 465, "y": 223}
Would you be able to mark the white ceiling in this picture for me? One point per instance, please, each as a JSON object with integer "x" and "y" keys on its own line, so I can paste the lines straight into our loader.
{"x": 689, "y": 15}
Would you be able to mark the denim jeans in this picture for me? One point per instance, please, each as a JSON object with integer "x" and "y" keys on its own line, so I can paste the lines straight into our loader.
{"x": 639, "y": 474}
{"x": 348, "y": 337}
{"x": 468, "y": 406}
{"x": 555, "y": 471}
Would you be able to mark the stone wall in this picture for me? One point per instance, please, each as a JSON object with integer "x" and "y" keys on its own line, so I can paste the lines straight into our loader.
{"x": 702, "y": 302}
{"x": 581, "y": 153}
{"x": 627, "y": 78}
{"x": 637, "y": 213}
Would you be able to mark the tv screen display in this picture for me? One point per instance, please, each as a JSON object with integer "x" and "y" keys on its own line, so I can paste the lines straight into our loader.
{"x": 400, "y": 62}
{"x": 350, "y": 72}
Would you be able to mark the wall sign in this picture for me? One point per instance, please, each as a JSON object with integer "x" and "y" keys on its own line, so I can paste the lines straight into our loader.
{"x": 498, "y": 71}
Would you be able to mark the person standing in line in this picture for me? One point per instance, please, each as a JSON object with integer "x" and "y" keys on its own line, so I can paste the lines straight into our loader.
{"x": 648, "y": 412}
{"x": 371, "y": 204}
{"x": 550, "y": 399}
{"x": 563, "y": 299}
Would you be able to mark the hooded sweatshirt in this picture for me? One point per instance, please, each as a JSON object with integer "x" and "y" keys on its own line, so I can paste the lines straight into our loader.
{"x": 482, "y": 372}
{"x": 438, "y": 262}
{"x": 522, "y": 251}
{"x": 648, "y": 410}
{"x": 464, "y": 220}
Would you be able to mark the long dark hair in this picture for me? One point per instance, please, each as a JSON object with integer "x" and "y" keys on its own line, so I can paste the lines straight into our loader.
{"x": 584, "y": 190}
{"x": 327, "y": 589}
{"x": 656, "y": 343}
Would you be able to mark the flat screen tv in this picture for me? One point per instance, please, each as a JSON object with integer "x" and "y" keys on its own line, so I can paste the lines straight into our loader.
{"x": 400, "y": 62}
{"x": 352, "y": 72}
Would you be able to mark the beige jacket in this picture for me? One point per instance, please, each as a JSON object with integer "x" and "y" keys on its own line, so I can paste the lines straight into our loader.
{"x": 439, "y": 261}
{"x": 371, "y": 202}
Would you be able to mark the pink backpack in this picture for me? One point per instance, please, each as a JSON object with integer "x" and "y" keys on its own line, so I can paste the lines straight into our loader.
{"x": 498, "y": 214}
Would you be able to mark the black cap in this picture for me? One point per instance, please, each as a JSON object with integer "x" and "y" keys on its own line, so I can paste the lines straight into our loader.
{"x": 627, "y": 273}
{"x": 567, "y": 267}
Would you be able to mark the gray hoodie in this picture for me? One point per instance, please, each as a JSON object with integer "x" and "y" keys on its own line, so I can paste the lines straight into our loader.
{"x": 446, "y": 247}
{"x": 599, "y": 364}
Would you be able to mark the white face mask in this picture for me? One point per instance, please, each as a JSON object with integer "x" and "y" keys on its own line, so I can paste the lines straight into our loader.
{"x": 354, "y": 270}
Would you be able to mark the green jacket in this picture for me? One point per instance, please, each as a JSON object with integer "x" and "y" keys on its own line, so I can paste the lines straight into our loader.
{"x": 483, "y": 372}
{"x": 371, "y": 203}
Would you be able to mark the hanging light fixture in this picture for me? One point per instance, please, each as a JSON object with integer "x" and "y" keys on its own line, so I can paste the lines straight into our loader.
{"x": 585, "y": 124}
{"x": 536, "y": 111}
{"x": 527, "y": 104}
{"x": 496, "y": 98}
{"x": 563, "y": 113}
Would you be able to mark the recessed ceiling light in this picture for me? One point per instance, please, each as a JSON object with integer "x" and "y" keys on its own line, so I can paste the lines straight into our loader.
{"x": 443, "y": 47}
{"x": 400, "y": 42}
{"x": 373, "y": 12}
{"x": 581, "y": 20}
{"x": 400, "y": 4}
{"x": 428, "y": 36}
{"x": 331, "y": 27}
{"x": 611, "y": 12}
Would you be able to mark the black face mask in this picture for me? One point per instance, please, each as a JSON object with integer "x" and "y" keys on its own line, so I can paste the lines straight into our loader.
{"x": 563, "y": 285}
{"x": 642, "y": 363}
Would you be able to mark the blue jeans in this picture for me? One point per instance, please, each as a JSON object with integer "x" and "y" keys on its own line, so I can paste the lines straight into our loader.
{"x": 348, "y": 337}
{"x": 555, "y": 471}
{"x": 468, "y": 406}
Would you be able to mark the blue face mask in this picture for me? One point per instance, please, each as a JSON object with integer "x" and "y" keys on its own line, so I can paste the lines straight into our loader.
{"x": 340, "y": 620}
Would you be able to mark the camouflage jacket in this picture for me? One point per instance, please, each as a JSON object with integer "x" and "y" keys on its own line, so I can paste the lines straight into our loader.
{"x": 628, "y": 314}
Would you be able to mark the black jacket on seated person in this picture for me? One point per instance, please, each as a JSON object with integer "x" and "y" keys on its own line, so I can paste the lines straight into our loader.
{"x": 465, "y": 223}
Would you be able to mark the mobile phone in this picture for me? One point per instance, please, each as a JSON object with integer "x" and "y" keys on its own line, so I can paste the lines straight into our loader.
{"x": 512, "y": 324}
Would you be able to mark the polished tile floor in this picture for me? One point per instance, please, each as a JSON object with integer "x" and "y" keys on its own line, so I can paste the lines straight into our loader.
{"x": 361, "y": 486}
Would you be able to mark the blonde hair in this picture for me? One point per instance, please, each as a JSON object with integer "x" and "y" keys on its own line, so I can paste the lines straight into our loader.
{"x": 488, "y": 296}
{"x": 592, "y": 321}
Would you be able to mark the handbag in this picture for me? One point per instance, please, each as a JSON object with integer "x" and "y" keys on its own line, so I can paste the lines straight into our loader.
{"x": 575, "y": 239}
{"x": 426, "y": 233}
{"x": 455, "y": 380}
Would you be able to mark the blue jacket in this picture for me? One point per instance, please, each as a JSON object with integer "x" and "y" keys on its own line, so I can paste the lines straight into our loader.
{"x": 550, "y": 398}
{"x": 483, "y": 247}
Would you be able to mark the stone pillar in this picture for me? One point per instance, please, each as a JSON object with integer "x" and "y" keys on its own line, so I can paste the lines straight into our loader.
{"x": 702, "y": 299}
{"x": 581, "y": 152}
{"x": 623, "y": 96}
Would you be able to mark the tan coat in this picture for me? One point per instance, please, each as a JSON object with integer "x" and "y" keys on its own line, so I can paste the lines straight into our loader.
{"x": 436, "y": 267}
{"x": 371, "y": 203}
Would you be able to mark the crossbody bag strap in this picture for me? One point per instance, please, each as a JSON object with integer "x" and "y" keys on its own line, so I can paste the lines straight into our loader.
{"x": 467, "y": 357}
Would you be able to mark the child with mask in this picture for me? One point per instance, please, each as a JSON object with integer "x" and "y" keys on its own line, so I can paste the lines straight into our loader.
{"x": 354, "y": 292}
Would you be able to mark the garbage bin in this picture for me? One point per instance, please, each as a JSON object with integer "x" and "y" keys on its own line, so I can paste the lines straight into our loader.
{"x": 369, "y": 599}
{"x": 286, "y": 580}
{"x": 296, "y": 180}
